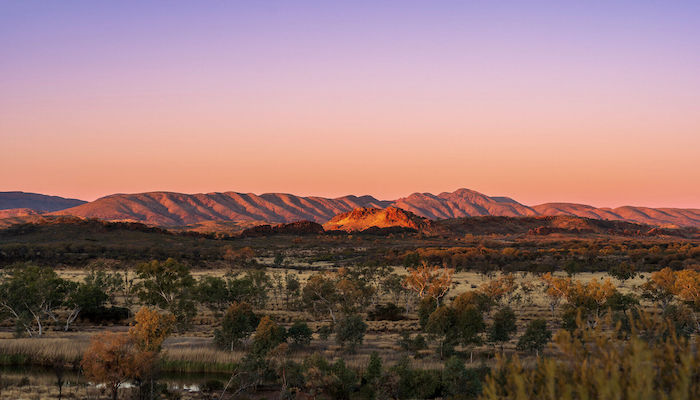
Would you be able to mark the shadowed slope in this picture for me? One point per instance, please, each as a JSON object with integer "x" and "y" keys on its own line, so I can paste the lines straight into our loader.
{"x": 173, "y": 209}
{"x": 247, "y": 209}
{"x": 36, "y": 202}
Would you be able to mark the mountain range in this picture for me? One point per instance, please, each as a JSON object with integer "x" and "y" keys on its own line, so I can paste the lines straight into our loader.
{"x": 35, "y": 202}
{"x": 170, "y": 209}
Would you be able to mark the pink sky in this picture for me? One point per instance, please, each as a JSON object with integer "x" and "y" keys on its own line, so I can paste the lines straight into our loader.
{"x": 581, "y": 104}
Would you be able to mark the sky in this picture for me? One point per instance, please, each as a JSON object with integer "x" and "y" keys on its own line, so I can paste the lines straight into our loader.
{"x": 594, "y": 102}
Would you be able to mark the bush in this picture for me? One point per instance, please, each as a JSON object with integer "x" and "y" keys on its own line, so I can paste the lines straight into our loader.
{"x": 413, "y": 345}
{"x": 102, "y": 315}
{"x": 649, "y": 363}
{"x": 389, "y": 312}
{"x": 324, "y": 331}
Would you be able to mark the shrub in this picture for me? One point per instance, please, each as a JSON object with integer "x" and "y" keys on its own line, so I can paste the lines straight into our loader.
{"x": 413, "y": 345}
{"x": 389, "y": 312}
{"x": 652, "y": 362}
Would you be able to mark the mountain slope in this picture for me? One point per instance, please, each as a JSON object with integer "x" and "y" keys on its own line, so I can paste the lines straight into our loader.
{"x": 666, "y": 217}
{"x": 36, "y": 202}
{"x": 247, "y": 209}
{"x": 174, "y": 209}
{"x": 461, "y": 203}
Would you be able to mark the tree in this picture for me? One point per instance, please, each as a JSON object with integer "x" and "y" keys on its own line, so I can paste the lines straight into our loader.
{"x": 429, "y": 281}
{"x": 393, "y": 286}
{"x": 238, "y": 323}
{"x": 441, "y": 326}
{"x": 469, "y": 308}
{"x": 147, "y": 333}
{"x": 503, "y": 326}
{"x": 291, "y": 288}
{"x": 251, "y": 288}
{"x": 30, "y": 294}
{"x": 371, "y": 376}
{"x": 687, "y": 287}
{"x": 150, "y": 329}
{"x": 213, "y": 293}
{"x": 536, "y": 336}
{"x": 320, "y": 295}
{"x": 267, "y": 335}
{"x": 300, "y": 334}
{"x": 112, "y": 359}
{"x": 660, "y": 287}
{"x": 426, "y": 307}
{"x": 622, "y": 271}
{"x": 170, "y": 286}
{"x": 350, "y": 331}
{"x": 458, "y": 380}
{"x": 588, "y": 299}
{"x": 503, "y": 287}
{"x": 91, "y": 295}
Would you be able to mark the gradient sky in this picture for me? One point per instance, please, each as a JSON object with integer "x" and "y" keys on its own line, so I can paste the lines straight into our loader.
{"x": 594, "y": 102}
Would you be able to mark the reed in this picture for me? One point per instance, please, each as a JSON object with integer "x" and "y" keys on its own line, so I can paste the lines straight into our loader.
{"x": 41, "y": 351}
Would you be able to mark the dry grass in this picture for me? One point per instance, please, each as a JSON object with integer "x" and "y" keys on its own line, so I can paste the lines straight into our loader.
{"x": 42, "y": 351}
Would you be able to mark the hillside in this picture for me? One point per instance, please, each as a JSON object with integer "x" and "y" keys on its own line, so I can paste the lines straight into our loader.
{"x": 664, "y": 217}
{"x": 35, "y": 202}
{"x": 175, "y": 209}
{"x": 233, "y": 211}
{"x": 461, "y": 203}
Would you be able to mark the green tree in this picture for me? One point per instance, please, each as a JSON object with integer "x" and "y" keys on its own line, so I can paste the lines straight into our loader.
{"x": 292, "y": 288}
{"x": 426, "y": 307}
{"x": 252, "y": 287}
{"x": 503, "y": 326}
{"x": 84, "y": 296}
{"x": 350, "y": 331}
{"x": 97, "y": 289}
{"x": 371, "y": 378}
{"x": 30, "y": 294}
{"x": 622, "y": 271}
{"x": 238, "y": 323}
{"x": 213, "y": 293}
{"x": 300, "y": 334}
{"x": 469, "y": 308}
{"x": 536, "y": 336}
{"x": 458, "y": 381}
{"x": 170, "y": 286}
{"x": 441, "y": 326}
{"x": 320, "y": 295}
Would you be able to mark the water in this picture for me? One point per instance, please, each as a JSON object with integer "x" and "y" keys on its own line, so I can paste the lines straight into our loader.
{"x": 24, "y": 376}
